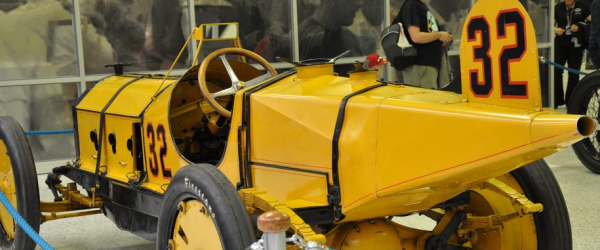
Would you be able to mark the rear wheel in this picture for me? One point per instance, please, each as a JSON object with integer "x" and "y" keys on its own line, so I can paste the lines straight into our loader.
{"x": 18, "y": 182}
{"x": 547, "y": 230}
{"x": 585, "y": 100}
{"x": 202, "y": 210}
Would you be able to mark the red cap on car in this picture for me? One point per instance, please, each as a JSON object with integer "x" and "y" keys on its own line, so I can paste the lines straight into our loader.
{"x": 375, "y": 59}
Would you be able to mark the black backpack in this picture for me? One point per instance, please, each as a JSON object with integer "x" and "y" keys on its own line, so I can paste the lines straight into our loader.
{"x": 396, "y": 47}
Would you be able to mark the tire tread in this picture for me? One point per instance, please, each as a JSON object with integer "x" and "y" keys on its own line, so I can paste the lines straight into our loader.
{"x": 552, "y": 224}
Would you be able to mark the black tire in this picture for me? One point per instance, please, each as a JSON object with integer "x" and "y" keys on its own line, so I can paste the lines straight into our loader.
{"x": 26, "y": 190}
{"x": 585, "y": 100}
{"x": 207, "y": 185}
{"x": 552, "y": 224}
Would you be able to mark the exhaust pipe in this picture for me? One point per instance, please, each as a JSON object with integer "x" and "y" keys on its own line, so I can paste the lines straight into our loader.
{"x": 549, "y": 130}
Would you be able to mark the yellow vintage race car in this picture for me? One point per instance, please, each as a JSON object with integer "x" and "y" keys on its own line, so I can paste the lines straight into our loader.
{"x": 193, "y": 160}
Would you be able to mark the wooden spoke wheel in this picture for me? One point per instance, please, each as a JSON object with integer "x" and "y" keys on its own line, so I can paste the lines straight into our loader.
{"x": 585, "y": 100}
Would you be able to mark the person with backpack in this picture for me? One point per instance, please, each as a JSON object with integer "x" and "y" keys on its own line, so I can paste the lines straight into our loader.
{"x": 423, "y": 33}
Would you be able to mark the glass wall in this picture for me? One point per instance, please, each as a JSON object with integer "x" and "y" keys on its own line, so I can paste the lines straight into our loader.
{"x": 40, "y": 108}
{"x": 52, "y": 50}
{"x": 36, "y": 40}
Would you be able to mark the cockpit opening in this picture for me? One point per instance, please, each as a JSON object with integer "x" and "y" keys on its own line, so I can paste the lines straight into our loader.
{"x": 199, "y": 131}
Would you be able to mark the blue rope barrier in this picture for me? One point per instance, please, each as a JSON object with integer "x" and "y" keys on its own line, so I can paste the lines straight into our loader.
{"x": 23, "y": 224}
{"x": 542, "y": 59}
{"x": 49, "y": 132}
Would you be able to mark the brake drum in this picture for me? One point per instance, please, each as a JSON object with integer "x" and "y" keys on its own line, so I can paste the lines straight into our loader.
{"x": 368, "y": 234}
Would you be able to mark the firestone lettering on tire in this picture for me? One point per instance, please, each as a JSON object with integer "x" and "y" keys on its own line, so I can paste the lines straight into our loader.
{"x": 198, "y": 192}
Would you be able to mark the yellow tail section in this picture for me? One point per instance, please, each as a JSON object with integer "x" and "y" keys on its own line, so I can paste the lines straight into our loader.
{"x": 499, "y": 56}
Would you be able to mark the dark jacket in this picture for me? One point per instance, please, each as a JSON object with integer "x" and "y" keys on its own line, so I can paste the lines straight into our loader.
{"x": 583, "y": 35}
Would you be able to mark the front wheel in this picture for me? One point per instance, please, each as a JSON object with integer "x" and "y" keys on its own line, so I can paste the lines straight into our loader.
{"x": 202, "y": 210}
{"x": 585, "y": 100}
{"x": 546, "y": 230}
{"x": 18, "y": 182}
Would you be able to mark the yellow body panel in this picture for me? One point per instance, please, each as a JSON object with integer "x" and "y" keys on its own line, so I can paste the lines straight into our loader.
{"x": 301, "y": 137}
{"x": 157, "y": 133}
{"x": 130, "y": 102}
{"x": 478, "y": 127}
{"x": 391, "y": 143}
{"x": 118, "y": 159}
{"x": 357, "y": 162}
{"x": 229, "y": 165}
{"x": 121, "y": 119}
{"x": 408, "y": 169}
{"x": 299, "y": 132}
{"x": 306, "y": 186}
{"x": 180, "y": 105}
{"x": 88, "y": 122}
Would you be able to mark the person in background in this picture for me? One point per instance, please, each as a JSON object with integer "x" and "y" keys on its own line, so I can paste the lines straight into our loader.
{"x": 423, "y": 33}
{"x": 567, "y": 47}
{"x": 324, "y": 35}
{"x": 367, "y": 25}
{"x": 51, "y": 21}
{"x": 594, "y": 46}
{"x": 123, "y": 24}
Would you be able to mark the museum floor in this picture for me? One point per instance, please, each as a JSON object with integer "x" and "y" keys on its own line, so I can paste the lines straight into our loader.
{"x": 580, "y": 188}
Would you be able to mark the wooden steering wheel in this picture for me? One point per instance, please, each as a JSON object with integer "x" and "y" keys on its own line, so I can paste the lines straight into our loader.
{"x": 236, "y": 84}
